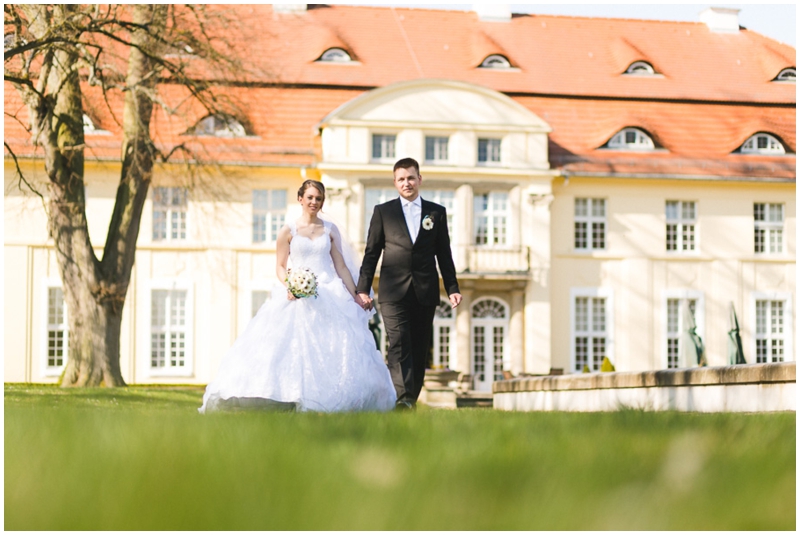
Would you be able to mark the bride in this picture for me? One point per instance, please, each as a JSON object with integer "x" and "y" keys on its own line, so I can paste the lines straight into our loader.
{"x": 314, "y": 353}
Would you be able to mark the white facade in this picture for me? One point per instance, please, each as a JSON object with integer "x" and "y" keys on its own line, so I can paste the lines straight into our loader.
{"x": 519, "y": 245}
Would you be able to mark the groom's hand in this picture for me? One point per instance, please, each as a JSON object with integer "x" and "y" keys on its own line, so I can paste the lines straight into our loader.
{"x": 455, "y": 300}
{"x": 366, "y": 301}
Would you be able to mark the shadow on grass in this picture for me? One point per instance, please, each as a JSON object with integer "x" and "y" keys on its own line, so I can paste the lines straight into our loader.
{"x": 152, "y": 397}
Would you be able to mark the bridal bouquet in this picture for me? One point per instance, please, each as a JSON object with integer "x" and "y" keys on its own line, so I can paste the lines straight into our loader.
{"x": 302, "y": 282}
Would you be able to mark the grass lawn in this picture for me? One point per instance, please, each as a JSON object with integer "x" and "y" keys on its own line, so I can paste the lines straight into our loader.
{"x": 142, "y": 458}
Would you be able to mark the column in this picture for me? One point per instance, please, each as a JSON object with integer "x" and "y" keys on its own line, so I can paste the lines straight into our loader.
{"x": 463, "y": 234}
{"x": 461, "y": 359}
{"x": 516, "y": 332}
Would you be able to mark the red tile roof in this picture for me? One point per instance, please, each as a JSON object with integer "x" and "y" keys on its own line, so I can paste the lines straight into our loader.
{"x": 715, "y": 91}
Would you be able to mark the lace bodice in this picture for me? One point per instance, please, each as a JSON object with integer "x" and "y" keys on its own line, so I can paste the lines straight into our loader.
{"x": 312, "y": 253}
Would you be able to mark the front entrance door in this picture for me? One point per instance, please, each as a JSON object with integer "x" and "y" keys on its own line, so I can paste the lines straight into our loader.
{"x": 489, "y": 354}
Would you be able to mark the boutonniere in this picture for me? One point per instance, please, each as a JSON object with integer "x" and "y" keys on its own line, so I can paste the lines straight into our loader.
{"x": 427, "y": 222}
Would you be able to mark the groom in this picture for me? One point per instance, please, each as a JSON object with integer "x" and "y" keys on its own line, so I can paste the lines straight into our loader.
{"x": 412, "y": 234}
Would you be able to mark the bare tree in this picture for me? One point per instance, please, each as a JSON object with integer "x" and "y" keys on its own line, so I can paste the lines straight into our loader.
{"x": 53, "y": 54}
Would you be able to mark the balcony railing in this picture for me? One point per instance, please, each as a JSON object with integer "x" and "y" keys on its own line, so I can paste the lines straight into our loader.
{"x": 498, "y": 260}
{"x": 484, "y": 259}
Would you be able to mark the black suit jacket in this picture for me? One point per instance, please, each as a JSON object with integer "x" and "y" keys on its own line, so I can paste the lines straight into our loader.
{"x": 406, "y": 262}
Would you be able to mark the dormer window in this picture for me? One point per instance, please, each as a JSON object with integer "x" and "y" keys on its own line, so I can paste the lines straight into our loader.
{"x": 90, "y": 128}
{"x": 179, "y": 49}
{"x": 495, "y": 61}
{"x": 335, "y": 55}
{"x": 640, "y": 68}
{"x": 218, "y": 125}
{"x": 88, "y": 124}
{"x": 631, "y": 139}
{"x": 787, "y": 75}
{"x": 762, "y": 144}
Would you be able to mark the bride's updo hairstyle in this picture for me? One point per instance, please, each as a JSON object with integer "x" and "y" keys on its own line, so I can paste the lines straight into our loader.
{"x": 311, "y": 184}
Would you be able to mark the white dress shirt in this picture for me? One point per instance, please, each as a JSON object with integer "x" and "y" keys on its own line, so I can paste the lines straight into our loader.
{"x": 412, "y": 210}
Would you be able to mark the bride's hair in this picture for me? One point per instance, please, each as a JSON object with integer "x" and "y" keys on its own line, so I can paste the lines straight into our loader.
{"x": 311, "y": 184}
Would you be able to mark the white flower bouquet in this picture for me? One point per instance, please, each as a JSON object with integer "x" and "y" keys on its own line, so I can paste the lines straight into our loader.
{"x": 302, "y": 282}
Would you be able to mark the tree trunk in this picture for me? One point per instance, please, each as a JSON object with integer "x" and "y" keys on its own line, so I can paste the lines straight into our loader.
{"x": 95, "y": 291}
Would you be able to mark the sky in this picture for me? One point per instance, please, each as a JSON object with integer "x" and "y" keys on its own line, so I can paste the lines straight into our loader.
{"x": 778, "y": 21}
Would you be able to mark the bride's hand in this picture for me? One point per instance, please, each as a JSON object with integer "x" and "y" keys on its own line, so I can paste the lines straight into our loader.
{"x": 357, "y": 299}
{"x": 290, "y": 296}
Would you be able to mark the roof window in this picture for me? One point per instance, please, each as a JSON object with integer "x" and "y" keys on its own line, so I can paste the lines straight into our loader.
{"x": 762, "y": 143}
{"x": 640, "y": 68}
{"x": 631, "y": 139}
{"x": 219, "y": 125}
{"x": 787, "y": 75}
{"x": 335, "y": 55}
{"x": 495, "y": 61}
{"x": 89, "y": 127}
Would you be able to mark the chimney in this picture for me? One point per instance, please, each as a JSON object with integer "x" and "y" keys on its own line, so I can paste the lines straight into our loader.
{"x": 721, "y": 19}
{"x": 493, "y": 12}
{"x": 289, "y": 8}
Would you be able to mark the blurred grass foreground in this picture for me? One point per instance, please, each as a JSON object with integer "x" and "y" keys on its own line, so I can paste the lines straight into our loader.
{"x": 142, "y": 458}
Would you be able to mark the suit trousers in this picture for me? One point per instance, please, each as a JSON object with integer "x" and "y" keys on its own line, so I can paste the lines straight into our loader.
{"x": 409, "y": 326}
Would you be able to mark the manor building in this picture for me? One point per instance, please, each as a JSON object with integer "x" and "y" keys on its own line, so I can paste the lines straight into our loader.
{"x": 601, "y": 176}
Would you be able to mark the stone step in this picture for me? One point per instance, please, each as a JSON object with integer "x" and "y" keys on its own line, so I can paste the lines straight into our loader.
{"x": 449, "y": 398}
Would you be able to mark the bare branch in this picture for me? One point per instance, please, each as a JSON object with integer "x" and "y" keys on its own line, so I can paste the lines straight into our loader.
{"x": 21, "y": 175}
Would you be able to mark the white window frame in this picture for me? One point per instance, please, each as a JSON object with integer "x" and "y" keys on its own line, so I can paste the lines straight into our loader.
{"x": 682, "y": 224}
{"x": 274, "y": 218}
{"x": 788, "y": 75}
{"x": 170, "y": 212}
{"x": 218, "y": 125}
{"x": 448, "y": 200}
{"x": 699, "y": 317}
{"x": 591, "y": 293}
{"x": 246, "y": 302}
{"x": 788, "y": 322}
{"x": 52, "y": 371}
{"x": 489, "y": 323}
{"x": 590, "y": 219}
{"x": 642, "y": 141}
{"x": 437, "y": 156}
{"x": 493, "y": 217}
{"x": 773, "y": 230}
{"x": 90, "y": 128}
{"x": 438, "y": 323}
{"x": 335, "y": 55}
{"x": 383, "y": 195}
{"x": 385, "y": 156}
{"x": 632, "y": 69}
{"x": 495, "y": 61}
{"x": 496, "y": 150}
{"x": 169, "y": 284}
{"x": 773, "y": 145}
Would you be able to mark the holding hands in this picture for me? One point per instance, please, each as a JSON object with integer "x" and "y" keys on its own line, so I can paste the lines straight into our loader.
{"x": 364, "y": 301}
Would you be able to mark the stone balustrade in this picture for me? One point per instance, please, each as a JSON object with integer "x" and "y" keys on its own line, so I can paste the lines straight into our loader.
{"x": 741, "y": 388}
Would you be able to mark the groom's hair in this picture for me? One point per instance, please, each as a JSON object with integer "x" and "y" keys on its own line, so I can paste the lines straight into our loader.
{"x": 406, "y": 163}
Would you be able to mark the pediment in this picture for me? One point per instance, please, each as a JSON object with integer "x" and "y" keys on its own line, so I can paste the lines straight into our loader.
{"x": 443, "y": 103}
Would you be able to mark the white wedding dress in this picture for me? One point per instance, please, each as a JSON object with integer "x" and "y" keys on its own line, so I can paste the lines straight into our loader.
{"x": 315, "y": 353}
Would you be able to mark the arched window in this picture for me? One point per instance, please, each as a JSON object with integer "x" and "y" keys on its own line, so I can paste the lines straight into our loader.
{"x": 489, "y": 348}
{"x": 335, "y": 55}
{"x": 762, "y": 143}
{"x": 88, "y": 124}
{"x": 631, "y": 139}
{"x": 89, "y": 127}
{"x": 495, "y": 61}
{"x": 787, "y": 75}
{"x": 640, "y": 68}
{"x": 444, "y": 335}
{"x": 219, "y": 125}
